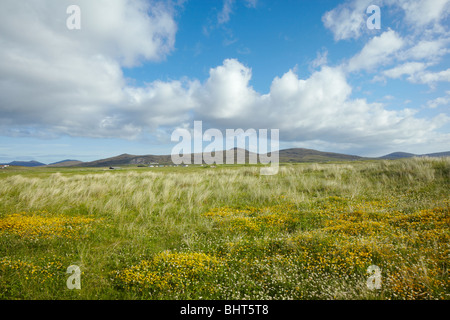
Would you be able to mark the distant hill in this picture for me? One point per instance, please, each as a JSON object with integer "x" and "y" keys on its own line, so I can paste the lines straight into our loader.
{"x": 65, "y": 163}
{"x": 292, "y": 155}
{"x": 397, "y": 155}
{"x": 437, "y": 154}
{"x": 285, "y": 156}
{"x": 127, "y": 159}
{"x": 288, "y": 155}
{"x": 26, "y": 163}
{"x": 401, "y": 155}
{"x": 310, "y": 155}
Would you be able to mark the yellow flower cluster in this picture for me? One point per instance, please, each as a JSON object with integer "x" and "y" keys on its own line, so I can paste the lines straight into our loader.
{"x": 414, "y": 283}
{"x": 370, "y": 218}
{"x": 326, "y": 257}
{"x": 436, "y": 218}
{"x": 356, "y": 228}
{"x": 42, "y": 225}
{"x": 280, "y": 217}
{"x": 171, "y": 271}
{"x": 42, "y": 272}
{"x": 411, "y": 245}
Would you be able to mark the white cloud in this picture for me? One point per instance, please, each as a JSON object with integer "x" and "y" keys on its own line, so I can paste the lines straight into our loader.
{"x": 416, "y": 72}
{"x": 320, "y": 60}
{"x": 432, "y": 77}
{"x": 420, "y": 13}
{"x": 409, "y": 68}
{"x": 440, "y": 101}
{"x": 226, "y": 93}
{"x": 227, "y": 9}
{"x": 347, "y": 20}
{"x": 319, "y": 108}
{"x": 377, "y": 51}
{"x": 427, "y": 49}
{"x": 409, "y": 56}
{"x": 131, "y": 30}
{"x": 71, "y": 81}
{"x": 160, "y": 103}
{"x": 224, "y": 14}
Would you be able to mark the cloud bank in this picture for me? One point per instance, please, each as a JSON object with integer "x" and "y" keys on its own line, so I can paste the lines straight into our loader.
{"x": 54, "y": 81}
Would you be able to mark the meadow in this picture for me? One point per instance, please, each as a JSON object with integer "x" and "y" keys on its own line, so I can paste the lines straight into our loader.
{"x": 309, "y": 232}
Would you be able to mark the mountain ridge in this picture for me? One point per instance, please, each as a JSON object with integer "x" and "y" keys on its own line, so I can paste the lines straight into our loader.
{"x": 291, "y": 155}
{"x": 65, "y": 163}
{"x": 32, "y": 163}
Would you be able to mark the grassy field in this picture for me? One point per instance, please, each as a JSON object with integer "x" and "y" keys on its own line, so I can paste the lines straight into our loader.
{"x": 310, "y": 232}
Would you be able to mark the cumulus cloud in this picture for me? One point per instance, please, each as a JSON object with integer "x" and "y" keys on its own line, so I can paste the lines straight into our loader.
{"x": 427, "y": 49}
{"x": 226, "y": 93}
{"x": 417, "y": 72}
{"x": 409, "y": 68}
{"x": 390, "y": 55}
{"x": 71, "y": 81}
{"x": 440, "y": 101}
{"x": 432, "y": 77}
{"x": 160, "y": 103}
{"x": 377, "y": 51}
{"x": 318, "y": 108}
{"x": 419, "y": 13}
{"x": 347, "y": 20}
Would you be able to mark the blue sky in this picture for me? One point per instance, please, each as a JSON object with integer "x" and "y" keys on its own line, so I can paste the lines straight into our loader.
{"x": 249, "y": 36}
{"x": 138, "y": 70}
